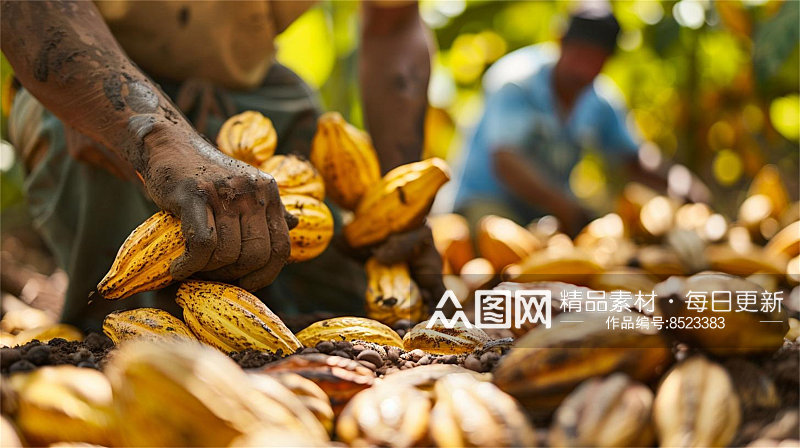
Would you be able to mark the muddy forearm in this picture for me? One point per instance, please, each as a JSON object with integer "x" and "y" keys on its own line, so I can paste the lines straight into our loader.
{"x": 65, "y": 55}
{"x": 394, "y": 73}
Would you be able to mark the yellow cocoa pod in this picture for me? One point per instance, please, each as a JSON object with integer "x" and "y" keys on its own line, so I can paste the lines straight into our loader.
{"x": 47, "y": 332}
{"x": 178, "y": 393}
{"x": 440, "y": 340}
{"x": 462, "y": 401}
{"x": 452, "y": 239}
{"x": 142, "y": 263}
{"x": 249, "y": 137}
{"x": 397, "y": 203}
{"x": 349, "y": 329}
{"x": 724, "y": 258}
{"x": 696, "y": 405}
{"x": 605, "y": 412}
{"x": 314, "y": 228}
{"x": 295, "y": 175}
{"x": 385, "y": 415}
{"x": 340, "y": 378}
{"x": 555, "y": 264}
{"x": 391, "y": 293}
{"x": 546, "y": 364}
{"x": 144, "y": 323}
{"x": 231, "y": 319}
{"x": 708, "y": 296}
{"x": 346, "y": 159}
{"x": 65, "y": 404}
{"x": 504, "y": 242}
{"x": 311, "y": 395}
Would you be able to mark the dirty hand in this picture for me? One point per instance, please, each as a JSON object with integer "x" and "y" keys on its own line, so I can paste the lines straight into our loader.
{"x": 416, "y": 248}
{"x": 232, "y": 217}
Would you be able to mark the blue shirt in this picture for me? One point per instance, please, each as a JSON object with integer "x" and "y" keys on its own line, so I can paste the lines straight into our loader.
{"x": 521, "y": 112}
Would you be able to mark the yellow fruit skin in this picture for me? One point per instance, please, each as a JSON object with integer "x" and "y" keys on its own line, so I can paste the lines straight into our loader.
{"x": 391, "y": 293}
{"x": 398, "y": 202}
{"x": 144, "y": 323}
{"x": 462, "y": 401}
{"x": 48, "y": 332}
{"x": 311, "y": 395}
{"x": 452, "y": 239}
{"x": 696, "y": 405}
{"x": 548, "y": 363}
{"x": 385, "y": 415}
{"x": 295, "y": 175}
{"x": 349, "y": 329}
{"x": 757, "y": 331}
{"x": 143, "y": 261}
{"x": 314, "y": 228}
{"x": 503, "y": 242}
{"x": 178, "y": 393}
{"x": 231, "y": 319}
{"x": 346, "y": 159}
{"x": 65, "y": 404}
{"x": 444, "y": 341}
{"x": 249, "y": 137}
{"x": 785, "y": 243}
{"x": 605, "y": 412}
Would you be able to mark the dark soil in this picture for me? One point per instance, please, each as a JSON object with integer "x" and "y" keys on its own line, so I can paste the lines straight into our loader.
{"x": 381, "y": 359}
{"x": 90, "y": 353}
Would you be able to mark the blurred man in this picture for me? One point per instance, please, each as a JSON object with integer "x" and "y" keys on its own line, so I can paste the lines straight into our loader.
{"x": 543, "y": 108}
{"x": 105, "y": 146}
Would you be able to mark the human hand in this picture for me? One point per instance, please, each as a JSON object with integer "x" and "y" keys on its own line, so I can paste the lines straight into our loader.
{"x": 231, "y": 215}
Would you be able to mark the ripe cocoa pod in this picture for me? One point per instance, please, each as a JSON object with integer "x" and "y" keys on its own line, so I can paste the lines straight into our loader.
{"x": 696, "y": 405}
{"x": 249, "y": 137}
{"x": 391, "y": 293}
{"x": 311, "y": 395}
{"x": 469, "y": 412}
{"x": 340, "y": 378}
{"x": 385, "y": 415}
{"x": 349, "y": 329}
{"x": 231, "y": 319}
{"x": 65, "y": 404}
{"x": 345, "y": 158}
{"x": 555, "y": 264}
{"x": 605, "y": 412}
{"x": 440, "y": 340}
{"x": 548, "y": 363}
{"x": 295, "y": 175}
{"x": 452, "y": 239}
{"x": 424, "y": 377}
{"x": 144, "y": 323}
{"x": 743, "y": 332}
{"x": 397, "y": 203}
{"x": 177, "y": 393}
{"x": 143, "y": 260}
{"x": 314, "y": 229}
{"x": 8, "y": 434}
{"x": 724, "y": 258}
{"x": 558, "y": 290}
{"x": 278, "y": 390}
{"x": 48, "y": 332}
{"x": 504, "y": 242}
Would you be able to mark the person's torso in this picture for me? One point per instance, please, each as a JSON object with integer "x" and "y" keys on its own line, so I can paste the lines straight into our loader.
{"x": 230, "y": 43}
{"x": 553, "y": 144}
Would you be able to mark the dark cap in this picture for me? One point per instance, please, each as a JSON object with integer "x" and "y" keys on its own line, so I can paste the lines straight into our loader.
{"x": 594, "y": 26}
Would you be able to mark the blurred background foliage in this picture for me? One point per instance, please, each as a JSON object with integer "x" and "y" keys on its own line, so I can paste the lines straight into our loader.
{"x": 713, "y": 84}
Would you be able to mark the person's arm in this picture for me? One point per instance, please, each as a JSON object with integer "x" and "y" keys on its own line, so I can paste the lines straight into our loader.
{"x": 232, "y": 217}
{"x": 528, "y": 183}
{"x": 394, "y": 70}
{"x": 649, "y": 169}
